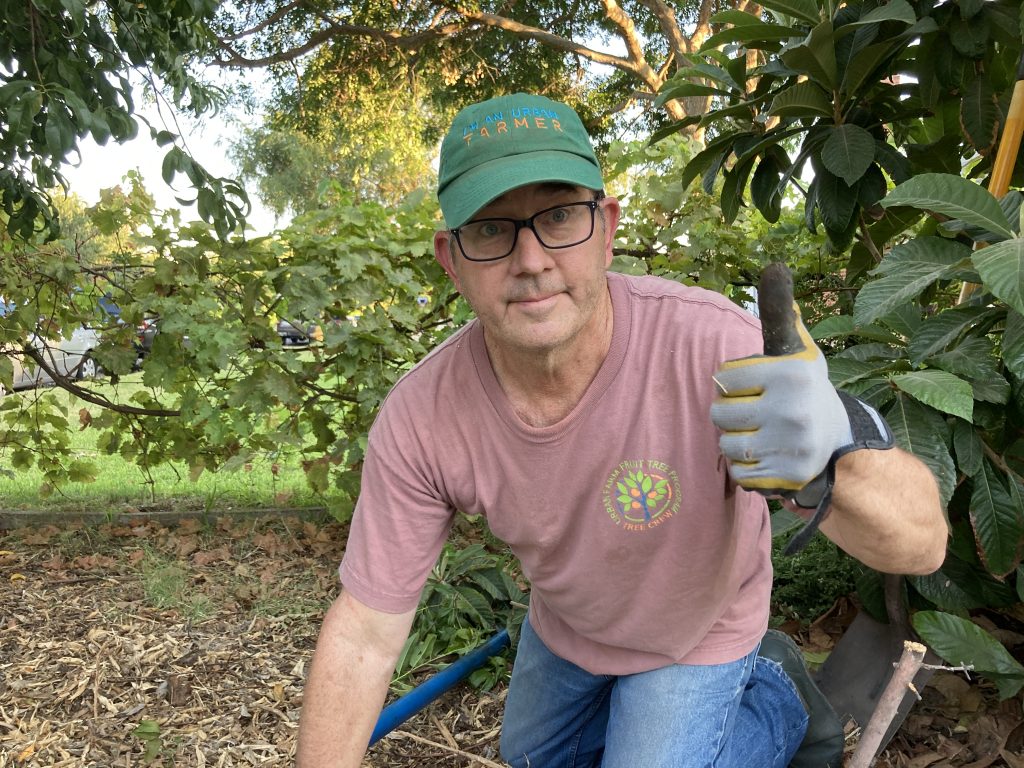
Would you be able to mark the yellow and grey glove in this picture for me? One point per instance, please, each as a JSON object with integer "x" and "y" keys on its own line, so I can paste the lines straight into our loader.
{"x": 783, "y": 423}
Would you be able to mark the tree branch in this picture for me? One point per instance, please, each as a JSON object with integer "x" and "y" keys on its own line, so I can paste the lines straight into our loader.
{"x": 888, "y": 705}
{"x": 554, "y": 41}
{"x": 417, "y": 39}
{"x": 273, "y": 18}
{"x": 336, "y": 29}
{"x": 67, "y": 384}
{"x": 637, "y": 59}
{"x": 702, "y": 29}
{"x": 669, "y": 27}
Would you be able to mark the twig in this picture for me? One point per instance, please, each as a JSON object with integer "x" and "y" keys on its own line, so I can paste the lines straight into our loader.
{"x": 888, "y": 704}
{"x": 965, "y": 668}
{"x": 482, "y": 760}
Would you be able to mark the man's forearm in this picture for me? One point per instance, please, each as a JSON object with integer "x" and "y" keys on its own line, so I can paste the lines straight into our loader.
{"x": 886, "y": 512}
{"x": 346, "y": 687}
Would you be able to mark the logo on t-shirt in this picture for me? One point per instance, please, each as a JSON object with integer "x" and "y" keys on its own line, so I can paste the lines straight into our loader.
{"x": 641, "y": 494}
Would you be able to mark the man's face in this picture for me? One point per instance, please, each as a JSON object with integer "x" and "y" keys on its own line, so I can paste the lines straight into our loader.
{"x": 535, "y": 299}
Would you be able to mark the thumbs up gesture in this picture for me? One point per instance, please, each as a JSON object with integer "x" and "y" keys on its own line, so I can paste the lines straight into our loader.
{"x": 780, "y": 416}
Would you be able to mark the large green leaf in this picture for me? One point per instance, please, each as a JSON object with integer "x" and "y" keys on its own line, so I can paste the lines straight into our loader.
{"x": 735, "y": 181}
{"x": 980, "y": 114}
{"x": 863, "y": 64}
{"x": 804, "y": 10}
{"x": 952, "y": 196}
{"x": 973, "y": 358}
{"x": 804, "y": 99}
{"x": 872, "y": 351}
{"x": 998, "y": 521}
{"x": 1010, "y": 203}
{"x": 683, "y": 90}
{"x": 837, "y": 326}
{"x": 962, "y": 585}
{"x": 764, "y": 189}
{"x": 894, "y": 10}
{"x": 837, "y": 201}
{"x": 960, "y": 641}
{"x": 816, "y": 56}
{"x": 923, "y": 432}
{"x": 698, "y": 70}
{"x": 735, "y": 18}
{"x": 939, "y": 331}
{"x": 907, "y": 270}
{"x": 848, "y": 152}
{"x": 751, "y": 35}
{"x": 841, "y": 326}
{"x": 939, "y": 389}
{"x": 711, "y": 153}
{"x": 897, "y": 166}
{"x": 991, "y": 390}
{"x": 968, "y": 447}
{"x": 904, "y": 319}
{"x": 1001, "y": 267}
{"x": 844, "y": 372}
{"x": 1013, "y": 344}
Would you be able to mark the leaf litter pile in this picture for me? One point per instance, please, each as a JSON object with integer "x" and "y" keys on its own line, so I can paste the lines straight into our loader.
{"x": 188, "y": 645}
{"x": 184, "y": 646}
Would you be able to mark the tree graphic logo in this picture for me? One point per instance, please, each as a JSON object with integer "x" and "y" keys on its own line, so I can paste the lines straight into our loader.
{"x": 641, "y": 494}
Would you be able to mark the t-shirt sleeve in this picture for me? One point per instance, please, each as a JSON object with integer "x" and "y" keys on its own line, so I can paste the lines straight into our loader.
{"x": 743, "y": 337}
{"x": 401, "y": 520}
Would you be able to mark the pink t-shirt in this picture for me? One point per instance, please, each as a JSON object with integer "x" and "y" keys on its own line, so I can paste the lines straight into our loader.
{"x": 640, "y": 550}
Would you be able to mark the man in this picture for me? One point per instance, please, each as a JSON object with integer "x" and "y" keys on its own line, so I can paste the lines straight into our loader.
{"x": 574, "y": 414}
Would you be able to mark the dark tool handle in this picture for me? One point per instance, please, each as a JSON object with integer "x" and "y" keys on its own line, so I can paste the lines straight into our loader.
{"x": 778, "y": 323}
{"x": 778, "y": 313}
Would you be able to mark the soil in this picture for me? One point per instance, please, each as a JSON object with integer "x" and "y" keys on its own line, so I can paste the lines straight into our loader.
{"x": 187, "y": 645}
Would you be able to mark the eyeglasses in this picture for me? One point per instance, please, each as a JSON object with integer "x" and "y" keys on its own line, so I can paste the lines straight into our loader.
{"x": 562, "y": 226}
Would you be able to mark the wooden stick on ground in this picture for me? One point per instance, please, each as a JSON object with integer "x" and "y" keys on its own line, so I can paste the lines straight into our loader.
{"x": 444, "y": 747}
{"x": 900, "y": 683}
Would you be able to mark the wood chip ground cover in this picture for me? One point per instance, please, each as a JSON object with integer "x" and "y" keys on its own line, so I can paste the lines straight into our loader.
{"x": 187, "y": 645}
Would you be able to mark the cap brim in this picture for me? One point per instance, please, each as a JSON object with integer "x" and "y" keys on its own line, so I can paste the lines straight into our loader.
{"x": 474, "y": 189}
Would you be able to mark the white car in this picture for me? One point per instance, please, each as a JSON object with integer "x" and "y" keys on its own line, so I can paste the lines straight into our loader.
{"x": 68, "y": 357}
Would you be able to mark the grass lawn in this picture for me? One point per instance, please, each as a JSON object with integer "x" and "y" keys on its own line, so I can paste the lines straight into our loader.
{"x": 267, "y": 481}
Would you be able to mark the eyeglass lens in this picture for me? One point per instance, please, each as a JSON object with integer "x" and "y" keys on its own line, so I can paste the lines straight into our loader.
{"x": 559, "y": 227}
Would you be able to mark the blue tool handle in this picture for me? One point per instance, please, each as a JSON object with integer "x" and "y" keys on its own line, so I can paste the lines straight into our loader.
{"x": 397, "y": 712}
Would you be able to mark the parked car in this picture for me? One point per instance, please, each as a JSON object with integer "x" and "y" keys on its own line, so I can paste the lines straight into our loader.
{"x": 67, "y": 357}
{"x": 293, "y": 335}
{"x": 144, "y": 335}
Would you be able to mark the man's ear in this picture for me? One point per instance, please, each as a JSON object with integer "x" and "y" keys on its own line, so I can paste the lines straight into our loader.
{"x": 612, "y": 211}
{"x": 443, "y": 252}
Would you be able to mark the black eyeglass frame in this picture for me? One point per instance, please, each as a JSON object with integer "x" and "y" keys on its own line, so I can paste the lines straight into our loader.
{"x": 520, "y": 224}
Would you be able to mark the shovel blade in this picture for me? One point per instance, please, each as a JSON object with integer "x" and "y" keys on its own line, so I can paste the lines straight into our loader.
{"x": 857, "y": 670}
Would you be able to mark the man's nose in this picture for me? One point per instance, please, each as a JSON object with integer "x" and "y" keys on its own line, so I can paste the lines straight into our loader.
{"x": 529, "y": 255}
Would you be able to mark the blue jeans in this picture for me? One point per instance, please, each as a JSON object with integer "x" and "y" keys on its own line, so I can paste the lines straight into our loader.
{"x": 744, "y": 714}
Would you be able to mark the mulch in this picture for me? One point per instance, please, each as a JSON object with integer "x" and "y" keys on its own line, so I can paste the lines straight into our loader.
{"x": 188, "y": 644}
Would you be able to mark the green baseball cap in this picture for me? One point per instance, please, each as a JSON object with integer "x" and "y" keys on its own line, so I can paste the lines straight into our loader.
{"x": 508, "y": 142}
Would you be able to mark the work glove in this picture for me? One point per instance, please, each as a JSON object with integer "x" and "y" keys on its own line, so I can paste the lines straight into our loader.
{"x": 783, "y": 423}
{"x": 781, "y": 418}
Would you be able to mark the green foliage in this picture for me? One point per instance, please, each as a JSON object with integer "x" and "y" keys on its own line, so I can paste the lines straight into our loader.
{"x": 675, "y": 232}
{"x": 218, "y": 387}
{"x": 471, "y": 594}
{"x": 858, "y": 92}
{"x": 807, "y": 584}
{"x": 168, "y": 586}
{"x": 66, "y": 72}
{"x": 148, "y": 732}
{"x": 960, "y": 642}
{"x": 950, "y": 396}
{"x": 845, "y": 102}
{"x": 369, "y": 146}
